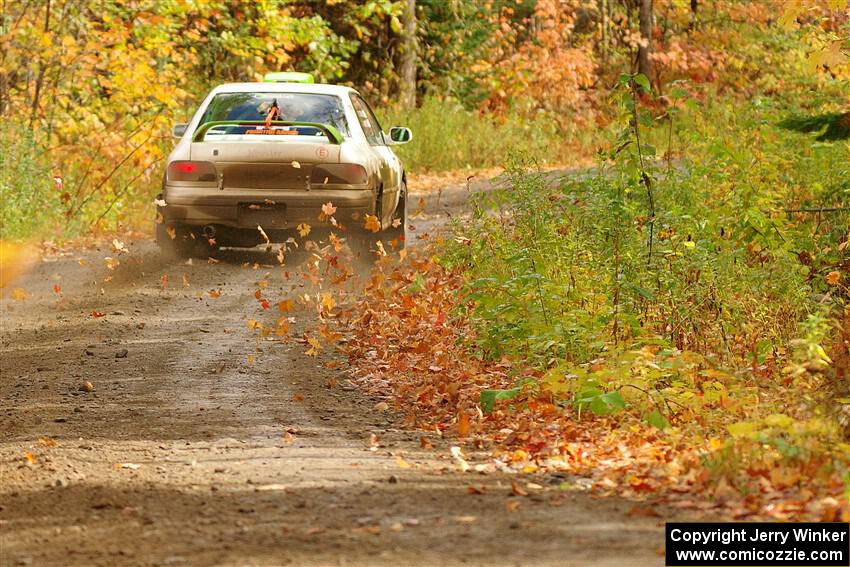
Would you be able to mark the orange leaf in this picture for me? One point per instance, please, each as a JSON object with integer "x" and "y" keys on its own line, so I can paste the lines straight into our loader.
{"x": 463, "y": 426}
{"x": 372, "y": 223}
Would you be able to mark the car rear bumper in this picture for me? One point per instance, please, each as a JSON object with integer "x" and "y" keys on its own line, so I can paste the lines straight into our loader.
{"x": 273, "y": 209}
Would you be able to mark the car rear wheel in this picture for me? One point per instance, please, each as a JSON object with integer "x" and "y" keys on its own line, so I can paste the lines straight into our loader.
{"x": 395, "y": 236}
{"x": 173, "y": 245}
{"x": 392, "y": 238}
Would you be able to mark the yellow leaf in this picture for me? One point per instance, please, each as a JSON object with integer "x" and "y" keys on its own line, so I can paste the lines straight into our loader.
{"x": 328, "y": 301}
{"x": 743, "y": 429}
{"x": 372, "y": 223}
{"x": 303, "y": 229}
{"x": 316, "y": 346}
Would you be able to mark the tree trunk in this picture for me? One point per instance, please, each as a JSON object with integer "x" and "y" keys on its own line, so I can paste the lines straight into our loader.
{"x": 408, "y": 56}
{"x": 603, "y": 14}
{"x": 42, "y": 69}
{"x": 645, "y": 48}
{"x": 694, "y": 9}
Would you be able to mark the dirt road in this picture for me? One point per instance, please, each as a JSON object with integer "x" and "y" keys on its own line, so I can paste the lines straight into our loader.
{"x": 142, "y": 426}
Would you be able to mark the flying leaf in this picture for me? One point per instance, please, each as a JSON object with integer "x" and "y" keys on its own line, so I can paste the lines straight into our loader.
{"x": 372, "y": 223}
{"x": 315, "y": 345}
{"x": 303, "y": 229}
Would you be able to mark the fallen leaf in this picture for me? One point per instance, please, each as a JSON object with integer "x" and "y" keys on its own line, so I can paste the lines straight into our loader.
{"x": 463, "y": 424}
{"x": 315, "y": 345}
{"x": 458, "y": 456}
{"x": 270, "y": 488}
{"x": 643, "y": 512}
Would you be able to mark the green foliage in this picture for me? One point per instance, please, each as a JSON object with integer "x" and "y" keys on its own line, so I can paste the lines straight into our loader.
{"x": 695, "y": 259}
{"x": 490, "y": 397}
{"x": 27, "y": 189}
{"x": 447, "y": 136}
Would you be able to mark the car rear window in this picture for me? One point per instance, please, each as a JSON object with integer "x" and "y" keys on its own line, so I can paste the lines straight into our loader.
{"x": 300, "y": 107}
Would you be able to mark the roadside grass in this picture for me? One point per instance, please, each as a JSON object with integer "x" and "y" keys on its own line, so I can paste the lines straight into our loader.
{"x": 30, "y": 197}
{"x": 663, "y": 326}
{"x": 447, "y": 136}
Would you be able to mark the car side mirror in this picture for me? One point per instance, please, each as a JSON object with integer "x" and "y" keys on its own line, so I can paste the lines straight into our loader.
{"x": 400, "y": 135}
{"x": 178, "y": 130}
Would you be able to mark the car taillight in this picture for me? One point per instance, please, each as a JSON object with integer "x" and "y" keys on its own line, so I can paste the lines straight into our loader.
{"x": 339, "y": 173}
{"x": 191, "y": 171}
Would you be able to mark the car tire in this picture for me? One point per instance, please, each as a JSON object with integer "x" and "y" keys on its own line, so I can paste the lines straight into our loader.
{"x": 398, "y": 234}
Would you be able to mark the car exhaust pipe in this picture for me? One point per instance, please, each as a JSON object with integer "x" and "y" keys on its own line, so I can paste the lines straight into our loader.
{"x": 209, "y": 231}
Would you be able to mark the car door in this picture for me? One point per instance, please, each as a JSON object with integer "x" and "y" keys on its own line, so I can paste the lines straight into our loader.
{"x": 390, "y": 164}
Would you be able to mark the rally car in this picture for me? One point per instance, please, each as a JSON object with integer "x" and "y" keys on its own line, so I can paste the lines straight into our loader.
{"x": 259, "y": 160}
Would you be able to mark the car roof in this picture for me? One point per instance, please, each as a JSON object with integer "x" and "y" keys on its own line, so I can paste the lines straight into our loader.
{"x": 276, "y": 87}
